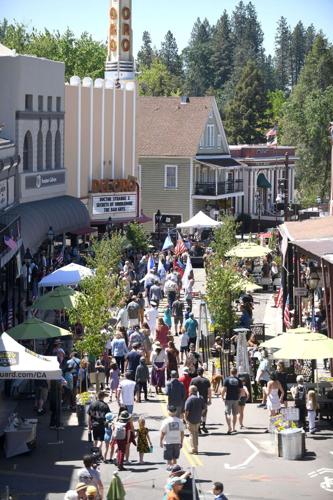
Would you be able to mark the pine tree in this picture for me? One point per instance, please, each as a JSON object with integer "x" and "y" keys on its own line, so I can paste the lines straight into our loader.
{"x": 197, "y": 57}
{"x": 244, "y": 114}
{"x": 222, "y": 51}
{"x": 282, "y": 54}
{"x": 146, "y": 54}
{"x": 297, "y": 52}
{"x": 169, "y": 54}
{"x": 310, "y": 35}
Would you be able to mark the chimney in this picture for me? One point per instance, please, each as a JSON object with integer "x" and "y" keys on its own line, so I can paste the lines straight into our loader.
{"x": 184, "y": 99}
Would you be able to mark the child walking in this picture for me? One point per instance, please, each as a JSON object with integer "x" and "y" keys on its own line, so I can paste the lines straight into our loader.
{"x": 311, "y": 406}
{"x": 114, "y": 379}
{"x": 184, "y": 340}
{"x": 243, "y": 397}
{"x": 144, "y": 442}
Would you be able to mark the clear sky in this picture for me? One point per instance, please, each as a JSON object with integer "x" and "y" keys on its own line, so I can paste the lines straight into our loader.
{"x": 158, "y": 16}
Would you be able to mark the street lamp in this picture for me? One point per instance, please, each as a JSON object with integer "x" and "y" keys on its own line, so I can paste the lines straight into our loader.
{"x": 27, "y": 260}
{"x": 50, "y": 236}
{"x": 158, "y": 218}
{"x": 109, "y": 226}
{"x": 258, "y": 199}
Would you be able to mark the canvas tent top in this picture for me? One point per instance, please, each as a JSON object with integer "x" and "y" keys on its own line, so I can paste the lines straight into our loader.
{"x": 69, "y": 275}
{"x": 199, "y": 221}
{"x": 18, "y": 362}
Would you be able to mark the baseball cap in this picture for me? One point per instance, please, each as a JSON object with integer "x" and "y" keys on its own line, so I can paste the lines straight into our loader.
{"x": 176, "y": 469}
{"x": 185, "y": 369}
{"x": 172, "y": 409}
{"x": 80, "y": 486}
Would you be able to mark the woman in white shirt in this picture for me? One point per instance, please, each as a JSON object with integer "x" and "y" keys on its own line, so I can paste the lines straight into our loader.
{"x": 158, "y": 361}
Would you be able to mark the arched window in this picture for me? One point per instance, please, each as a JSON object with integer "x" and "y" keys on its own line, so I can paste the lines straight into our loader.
{"x": 57, "y": 150}
{"x": 48, "y": 151}
{"x": 27, "y": 152}
{"x": 40, "y": 165}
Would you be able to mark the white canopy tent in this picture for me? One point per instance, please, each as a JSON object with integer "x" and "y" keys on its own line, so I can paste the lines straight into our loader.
{"x": 69, "y": 275}
{"x": 18, "y": 362}
{"x": 199, "y": 221}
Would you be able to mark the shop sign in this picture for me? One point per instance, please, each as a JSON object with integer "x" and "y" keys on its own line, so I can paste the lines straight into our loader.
{"x": 300, "y": 292}
{"x": 113, "y": 185}
{"x": 116, "y": 205}
{"x": 44, "y": 180}
{"x": 9, "y": 358}
{"x": 3, "y": 193}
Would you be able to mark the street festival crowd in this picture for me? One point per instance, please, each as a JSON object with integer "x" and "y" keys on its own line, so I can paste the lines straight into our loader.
{"x": 153, "y": 352}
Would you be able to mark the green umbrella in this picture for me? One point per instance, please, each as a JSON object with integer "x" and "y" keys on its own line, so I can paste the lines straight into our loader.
{"x": 290, "y": 338}
{"x": 60, "y": 298}
{"x": 246, "y": 286}
{"x": 36, "y": 329}
{"x": 248, "y": 250}
{"x": 116, "y": 489}
{"x": 311, "y": 347}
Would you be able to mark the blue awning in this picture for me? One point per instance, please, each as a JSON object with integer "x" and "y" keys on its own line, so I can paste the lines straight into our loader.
{"x": 262, "y": 182}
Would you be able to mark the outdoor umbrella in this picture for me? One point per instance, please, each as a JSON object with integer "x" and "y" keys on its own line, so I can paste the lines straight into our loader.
{"x": 311, "y": 347}
{"x": 116, "y": 489}
{"x": 290, "y": 338}
{"x": 60, "y": 298}
{"x": 247, "y": 286}
{"x": 248, "y": 250}
{"x": 36, "y": 329}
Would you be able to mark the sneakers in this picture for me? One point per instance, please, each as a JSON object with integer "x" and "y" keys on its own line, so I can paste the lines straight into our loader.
{"x": 261, "y": 405}
{"x": 204, "y": 429}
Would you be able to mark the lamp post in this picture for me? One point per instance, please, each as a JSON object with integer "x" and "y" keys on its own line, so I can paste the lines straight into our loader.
{"x": 286, "y": 189}
{"x": 27, "y": 260}
{"x": 313, "y": 281}
{"x": 50, "y": 237}
{"x": 158, "y": 218}
{"x": 109, "y": 226}
{"x": 258, "y": 200}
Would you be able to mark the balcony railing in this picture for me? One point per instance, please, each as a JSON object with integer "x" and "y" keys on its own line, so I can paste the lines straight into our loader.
{"x": 9, "y": 227}
{"x": 213, "y": 189}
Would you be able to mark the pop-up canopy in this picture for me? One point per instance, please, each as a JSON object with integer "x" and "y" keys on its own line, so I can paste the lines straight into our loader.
{"x": 199, "y": 221}
{"x": 69, "y": 275}
{"x": 17, "y": 362}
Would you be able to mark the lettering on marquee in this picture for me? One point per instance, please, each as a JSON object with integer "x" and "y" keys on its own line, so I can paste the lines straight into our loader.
{"x": 113, "y": 186}
{"x": 125, "y": 29}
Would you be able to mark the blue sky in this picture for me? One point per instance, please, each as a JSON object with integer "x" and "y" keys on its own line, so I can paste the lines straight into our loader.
{"x": 158, "y": 16}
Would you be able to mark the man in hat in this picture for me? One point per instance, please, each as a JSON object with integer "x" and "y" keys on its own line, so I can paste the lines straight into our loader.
{"x": 185, "y": 379}
{"x": 151, "y": 316}
{"x": 80, "y": 489}
{"x": 171, "y": 436}
{"x": 126, "y": 391}
{"x": 97, "y": 411}
{"x": 90, "y": 476}
{"x": 187, "y": 491}
{"x": 175, "y": 391}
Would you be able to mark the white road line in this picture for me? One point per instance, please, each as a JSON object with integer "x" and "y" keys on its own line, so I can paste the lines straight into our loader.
{"x": 248, "y": 460}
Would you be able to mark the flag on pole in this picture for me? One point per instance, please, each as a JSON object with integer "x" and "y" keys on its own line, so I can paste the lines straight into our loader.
{"x": 313, "y": 320}
{"x": 279, "y": 298}
{"x": 286, "y": 314}
{"x": 168, "y": 244}
{"x": 150, "y": 264}
{"x": 179, "y": 266}
{"x": 187, "y": 272}
{"x": 60, "y": 257}
{"x": 180, "y": 247}
{"x": 271, "y": 136}
{"x": 161, "y": 270}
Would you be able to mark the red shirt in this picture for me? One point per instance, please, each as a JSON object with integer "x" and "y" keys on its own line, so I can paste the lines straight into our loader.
{"x": 162, "y": 333}
{"x": 186, "y": 379}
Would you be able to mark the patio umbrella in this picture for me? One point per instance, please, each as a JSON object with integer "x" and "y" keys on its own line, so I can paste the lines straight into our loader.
{"x": 36, "y": 329}
{"x": 290, "y": 338}
{"x": 311, "y": 347}
{"x": 60, "y": 298}
{"x": 246, "y": 286}
{"x": 248, "y": 250}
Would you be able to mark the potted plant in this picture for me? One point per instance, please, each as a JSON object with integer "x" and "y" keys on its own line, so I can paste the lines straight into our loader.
{"x": 83, "y": 400}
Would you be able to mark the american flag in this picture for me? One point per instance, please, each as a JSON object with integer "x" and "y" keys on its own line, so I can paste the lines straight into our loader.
{"x": 60, "y": 257}
{"x": 286, "y": 314}
{"x": 279, "y": 298}
{"x": 10, "y": 242}
{"x": 180, "y": 247}
{"x": 271, "y": 136}
{"x": 272, "y": 132}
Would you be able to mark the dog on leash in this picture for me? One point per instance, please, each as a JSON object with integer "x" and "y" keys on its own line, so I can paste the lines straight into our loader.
{"x": 216, "y": 381}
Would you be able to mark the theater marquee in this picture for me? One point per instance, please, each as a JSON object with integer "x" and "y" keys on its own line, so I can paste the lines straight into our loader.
{"x": 122, "y": 205}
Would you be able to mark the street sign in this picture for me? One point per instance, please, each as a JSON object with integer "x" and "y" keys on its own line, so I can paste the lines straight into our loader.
{"x": 300, "y": 292}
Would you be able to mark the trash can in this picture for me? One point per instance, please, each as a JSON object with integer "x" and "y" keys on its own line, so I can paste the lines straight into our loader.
{"x": 81, "y": 413}
{"x": 292, "y": 444}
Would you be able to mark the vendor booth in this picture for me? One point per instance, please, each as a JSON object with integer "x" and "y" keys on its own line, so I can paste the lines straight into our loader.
{"x": 199, "y": 221}
{"x": 18, "y": 362}
{"x": 69, "y": 275}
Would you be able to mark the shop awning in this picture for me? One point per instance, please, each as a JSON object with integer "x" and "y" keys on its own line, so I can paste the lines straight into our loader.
{"x": 262, "y": 182}
{"x": 64, "y": 213}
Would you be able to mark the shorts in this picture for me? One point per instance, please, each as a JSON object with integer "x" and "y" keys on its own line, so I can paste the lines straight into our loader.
{"x": 242, "y": 401}
{"x": 263, "y": 383}
{"x": 98, "y": 432}
{"x": 171, "y": 451}
{"x": 231, "y": 406}
{"x": 107, "y": 436}
{"x": 184, "y": 348}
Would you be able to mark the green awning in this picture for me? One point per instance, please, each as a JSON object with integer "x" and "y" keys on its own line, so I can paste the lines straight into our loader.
{"x": 262, "y": 182}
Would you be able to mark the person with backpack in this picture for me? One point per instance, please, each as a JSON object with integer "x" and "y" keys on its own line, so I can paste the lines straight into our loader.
{"x": 299, "y": 394}
{"x": 122, "y": 435}
{"x": 108, "y": 435}
{"x": 97, "y": 411}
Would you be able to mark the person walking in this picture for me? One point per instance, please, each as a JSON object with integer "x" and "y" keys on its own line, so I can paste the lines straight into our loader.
{"x": 90, "y": 476}
{"x": 97, "y": 411}
{"x": 151, "y": 316}
{"x": 230, "y": 393}
{"x": 194, "y": 407}
{"x": 133, "y": 360}
{"x": 144, "y": 443}
{"x": 119, "y": 350}
{"x": 263, "y": 375}
{"x": 204, "y": 389}
{"x": 170, "y": 290}
{"x": 171, "y": 437}
{"x": 178, "y": 315}
{"x": 122, "y": 436}
{"x": 158, "y": 361}
{"x": 191, "y": 327}
{"x": 299, "y": 394}
{"x": 141, "y": 379}
{"x": 162, "y": 333}
{"x": 218, "y": 489}
{"x": 243, "y": 397}
{"x": 193, "y": 360}
{"x": 125, "y": 392}
{"x": 133, "y": 312}
{"x": 273, "y": 389}
{"x": 175, "y": 391}
{"x": 312, "y": 406}
{"x": 172, "y": 359}
{"x": 155, "y": 293}
{"x": 186, "y": 380}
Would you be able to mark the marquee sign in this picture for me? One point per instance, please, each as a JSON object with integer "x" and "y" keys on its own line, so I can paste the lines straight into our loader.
{"x": 113, "y": 185}
{"x": 115, "y": 205}
{"x": 120, "y": 29}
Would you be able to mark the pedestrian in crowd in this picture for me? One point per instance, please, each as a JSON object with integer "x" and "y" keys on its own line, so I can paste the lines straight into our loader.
{"x": 142, "y": 303}
{"x": 97, "y": 411}
{"x": 243, "y": 398}
{"x": 122, "y": 436}
{"x": 151, "y": 316}
{"x": 186, "y": 380}
{"x": 133, "y": 311}
{"x": 273, "y": 389}
{"x": 80, "y": 489}
{"x": 108, "y": 433}
{"x": 41, "y": 393}
{"x": 133, "y": 360}
{"x": 194, "y": 407}
{"x": 141, "y": 379}
{"x": 191, "y": 327}
{"x": 187, "y": 492}
{"x": 83, "y": 378}
{"x": 71, "y": 495}
{"x": 114, "y": 379}
{"x": 204, "y": 389}
{"x": 263, "y": 375}
{"x": 126, "y": 391}
{"x": 167, "y": 317}
{"x": 119, "y": 350}
{"x": 162, "y": 333}
{"x": 146, "y": 341}
{"x": 90, "y": 476}
{"x": 282, "y": 378}
{"x": 135, "y": 337}
{"x": 170, "y": 290}
{"x": 176, "y": 485}
{"x": 175, "y": 391}
{"x": 155, "y": 293}
{"x": 218, "y": 489}
{"x": 193, "y": 360}
{"x": 299, "y": 394}
{"x": 171, "y": 437}
{"x": 122, "y": 316}
{"x": 178, "y": 315}
{"x": 144, "y": 443}
{"x": 184, "y": 344}
{"x": 100, "y": 374}
{"x": 230, "y": 393}
{"x": 312, "y": 406}
{"x": 158, "y": 361}
{"x": 106, "y": 362}
{"x": 74, "y": 365}
{"x": 188, "y": 295}
{"x": 172, "y": 359}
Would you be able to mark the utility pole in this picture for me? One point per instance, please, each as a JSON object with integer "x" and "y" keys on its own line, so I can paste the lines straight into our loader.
{"x": 286, "y": 189}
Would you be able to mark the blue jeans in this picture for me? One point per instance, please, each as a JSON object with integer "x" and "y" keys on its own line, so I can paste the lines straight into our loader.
{"x": 130, "y": 409}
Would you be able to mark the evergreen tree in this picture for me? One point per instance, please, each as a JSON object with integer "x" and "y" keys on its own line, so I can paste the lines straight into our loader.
{"x": 244, "y": 114}
{"x": 156, "y": 80}
{"x": 297, "y": 52}
{"x": 146, "y": 54}
{"x": 222, "y": 51}
{"x": 282, "y": 54}
{"x": 269, "y": 73}
{"x": 310, "y": 35}
{"x": 169, "y": 54}
{"x": 197, "y": 57}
